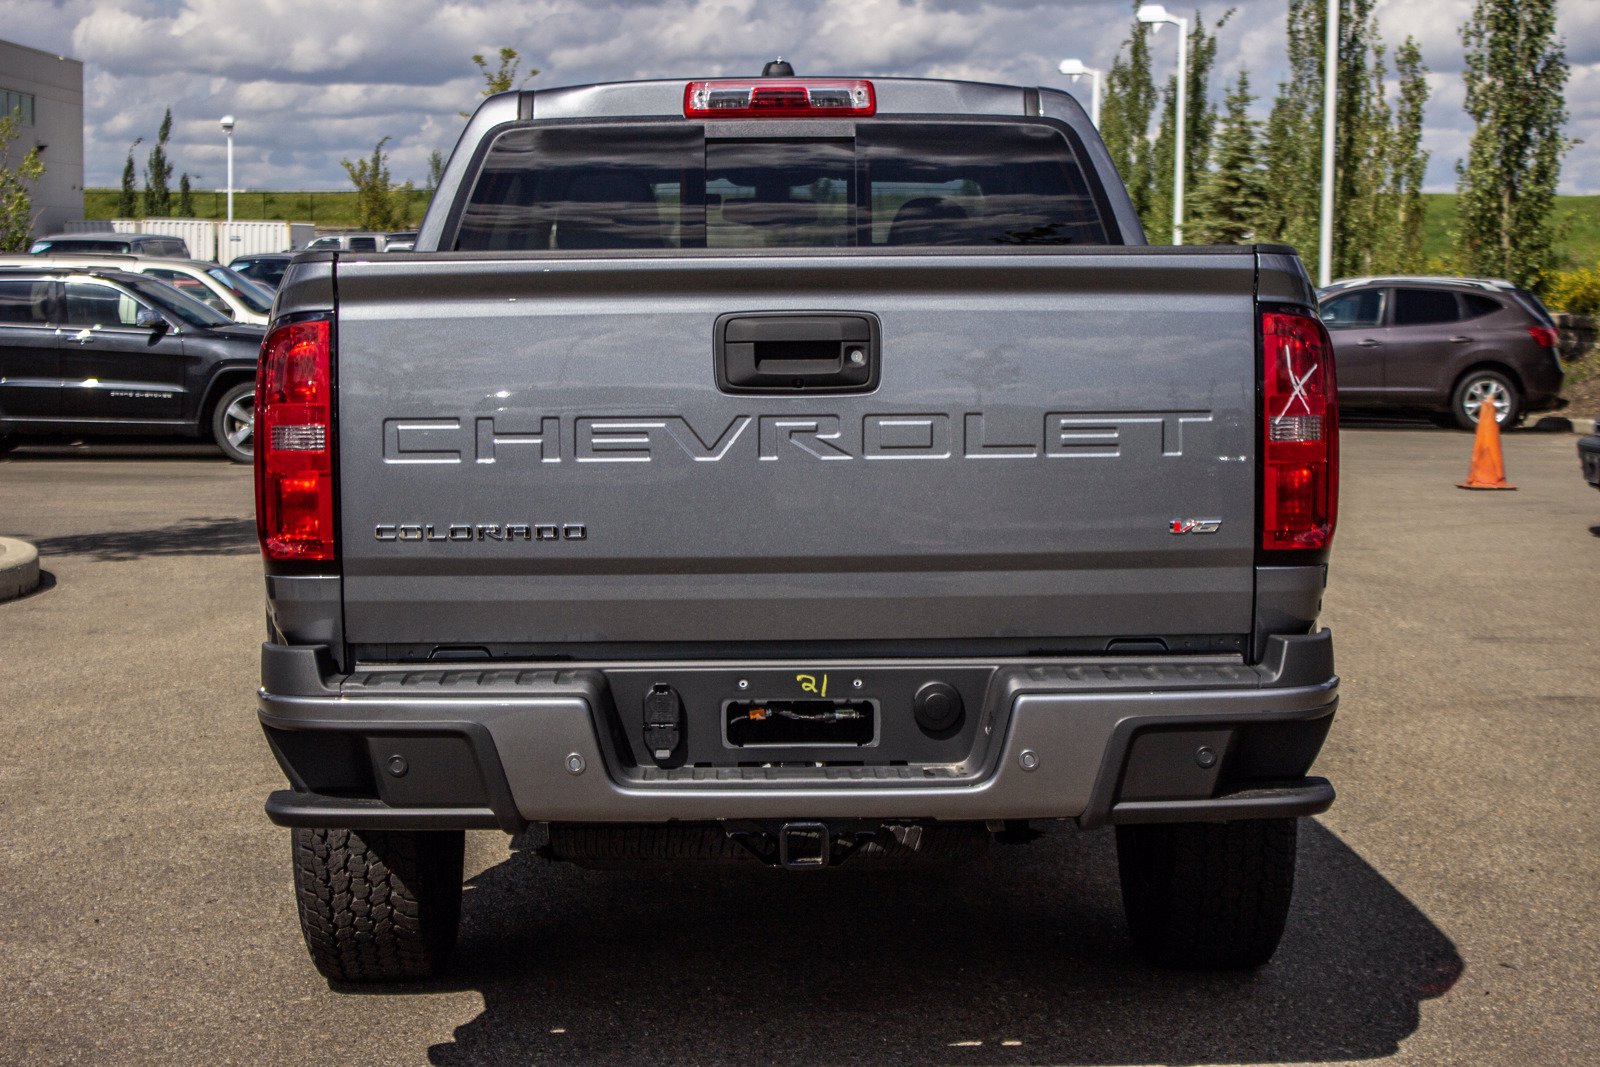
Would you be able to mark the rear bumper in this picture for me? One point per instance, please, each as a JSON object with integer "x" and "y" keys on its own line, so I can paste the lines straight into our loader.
{"x": 1099, "y": 741}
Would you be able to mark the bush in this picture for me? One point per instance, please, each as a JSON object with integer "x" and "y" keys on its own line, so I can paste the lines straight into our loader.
{"x": 1576, "y": 291}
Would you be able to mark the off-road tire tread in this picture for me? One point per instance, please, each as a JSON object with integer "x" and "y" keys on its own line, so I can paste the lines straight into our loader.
{"x": 1208, "y": 896}
{"x": 378, "y": 906}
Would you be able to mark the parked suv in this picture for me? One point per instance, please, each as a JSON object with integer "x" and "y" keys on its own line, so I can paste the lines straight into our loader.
{"x": 148, "y": 244}
{"x": 1442, "y": 345}
{"x": 223, "y": 289}
{"x": 86, "y": 351}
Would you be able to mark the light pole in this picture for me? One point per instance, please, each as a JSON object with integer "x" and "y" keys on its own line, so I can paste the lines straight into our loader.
{"x": 1074, "y": 69}
{"x": 1156, "y": 16}
{"x": 227, "y": 128}
{"x": 1330, "y": 100}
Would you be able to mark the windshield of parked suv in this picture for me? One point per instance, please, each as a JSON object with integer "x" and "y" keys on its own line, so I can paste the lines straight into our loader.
{"x": 185, "y": 307}
{"x": 249, "y": 293}
{"x": 638, "y": 186}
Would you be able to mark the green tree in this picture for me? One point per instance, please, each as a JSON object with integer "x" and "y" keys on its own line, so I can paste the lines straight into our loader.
{"x": 380, "y": 204}
{"x": 435, "y": 171}
{"x": 502, "y": 78}
{"x": 158, "y": 172}
{"x": 185, "y": 197}
{"x": 1199, "y": 122}
{"x": 1129, "y": 102}
{"x": 1370, "y": 151}
{"x": 1398, "y": 210}
{"x": 1516, "y": 74}
{"x": 128, "y": 197}
{"x": 1229, "y": 200}
{"x": 16, "y": 182}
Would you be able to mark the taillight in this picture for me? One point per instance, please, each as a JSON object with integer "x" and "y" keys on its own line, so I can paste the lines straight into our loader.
{"x": 1300, "y": 435}
{"x": 294, "y": 439}
{"x": 1544, "y": 336}
{"x": 733, "y": 98}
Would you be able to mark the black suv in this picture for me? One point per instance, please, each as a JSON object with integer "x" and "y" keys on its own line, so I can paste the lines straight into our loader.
{"x": 1443, "y": 345}
{"x": 92, "y": 351}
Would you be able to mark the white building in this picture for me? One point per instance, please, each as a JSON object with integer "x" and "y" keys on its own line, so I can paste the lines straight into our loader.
{"x": 47, "y": 90}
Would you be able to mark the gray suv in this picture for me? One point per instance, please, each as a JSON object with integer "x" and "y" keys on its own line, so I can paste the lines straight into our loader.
{"x": 1442, "y": 345}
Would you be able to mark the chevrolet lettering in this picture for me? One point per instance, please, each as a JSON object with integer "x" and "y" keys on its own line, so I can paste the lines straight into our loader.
{"x": 897, "y": 435}
{"x": 794, "y": 472}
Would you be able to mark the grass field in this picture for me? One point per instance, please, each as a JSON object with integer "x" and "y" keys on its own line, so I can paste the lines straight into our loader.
{"x": 1577, "y": 228}
{"x": 322, "y": 209}
{"x": 1577, "y": 217}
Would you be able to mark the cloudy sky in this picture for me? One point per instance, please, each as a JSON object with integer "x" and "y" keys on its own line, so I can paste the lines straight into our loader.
{"x": 314, "y": 81}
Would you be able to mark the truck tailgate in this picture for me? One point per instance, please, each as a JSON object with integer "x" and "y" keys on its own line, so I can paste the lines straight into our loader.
{"x": 536, "y": 451}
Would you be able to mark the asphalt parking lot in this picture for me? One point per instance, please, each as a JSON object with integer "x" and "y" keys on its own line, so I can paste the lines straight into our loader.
{"x": 1447, "y": 909}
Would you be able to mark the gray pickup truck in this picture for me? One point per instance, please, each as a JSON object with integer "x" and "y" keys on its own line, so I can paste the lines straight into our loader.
{"x": 793, "y": 471}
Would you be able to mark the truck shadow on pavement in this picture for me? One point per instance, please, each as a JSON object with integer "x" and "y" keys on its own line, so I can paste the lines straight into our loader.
{"x": 1017, "y": 957}
{"x": 188, "y": 537}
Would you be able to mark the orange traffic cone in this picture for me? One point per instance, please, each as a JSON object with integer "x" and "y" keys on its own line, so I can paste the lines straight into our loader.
{"x": 1488, "y": 468}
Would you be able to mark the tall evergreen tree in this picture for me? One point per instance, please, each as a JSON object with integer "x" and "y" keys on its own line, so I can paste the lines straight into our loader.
{"x": 128, "y": 197}
{"x": 185, "y": 197}
{"x": 1229, "y": 199}
{"x": 1398, "y": 238}
{"x": 1292, "y": 145}
{"x": 158, "y": 172}
{"x": 1199, "y": 121}
{"x": 1369, "y": 153}
{"x": 1516, "y": 74}
{"x": 1128, "y": 104}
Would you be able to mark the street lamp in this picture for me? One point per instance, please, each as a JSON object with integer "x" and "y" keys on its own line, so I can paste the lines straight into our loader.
{"x": 1330, "y": 99}
{"x": 227, "y": 128}
{"x": 1156, "y": 16}
{"x": 1074, "y": 69}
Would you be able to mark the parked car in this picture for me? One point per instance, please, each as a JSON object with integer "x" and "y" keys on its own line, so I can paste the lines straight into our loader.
{"x": 94, "y": 351}
{"x": 1442, "y": 345}
{"x": 348, "y": 242}
{"x": 225, "y": 290}
{"x": 404, "y": 241}
{"x": 1589, "y": 455}
{"x": 265, "y": 269}
{"x": 143, "y": 244}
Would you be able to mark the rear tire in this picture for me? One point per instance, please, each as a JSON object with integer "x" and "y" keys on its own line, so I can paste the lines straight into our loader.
{"x": 1474, "y": 387}
{"x": 378, "y": 906}
{"x": 1207, "y": 896}
{"x": 233, "y": 422}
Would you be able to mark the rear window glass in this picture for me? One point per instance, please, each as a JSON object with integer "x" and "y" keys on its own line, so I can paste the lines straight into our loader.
{"x": 75, "y": 245}
{"x": 1480, "y": 305}
{"x": 1421, "y": 307}
{"x": 1352, "y": 310}
{"x": 666, "y": 186}
{"x": 24, "y": 302}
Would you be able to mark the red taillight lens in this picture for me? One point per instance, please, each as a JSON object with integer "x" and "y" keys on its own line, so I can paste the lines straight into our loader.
{"x": 294, "y": 433}
{"x": 1300, "y": 435}
{"x": 1544, "y": 336}
{"x": 822, "y": 98}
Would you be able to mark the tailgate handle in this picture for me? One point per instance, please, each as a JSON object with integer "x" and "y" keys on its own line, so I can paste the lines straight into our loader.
{"x": 797, "y": 352}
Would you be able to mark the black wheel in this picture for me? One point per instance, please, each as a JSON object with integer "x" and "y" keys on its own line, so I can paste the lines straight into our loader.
{"x": 378, "y": 906}
{"x": 1207, "y": 895}
{"x": 7, "y": 443}
{"x": 1485, "y": 385}
{"x": 233, "y": 422}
